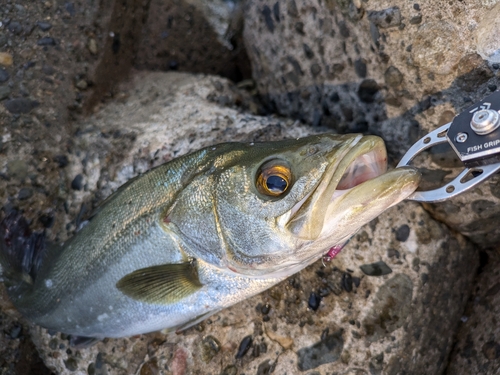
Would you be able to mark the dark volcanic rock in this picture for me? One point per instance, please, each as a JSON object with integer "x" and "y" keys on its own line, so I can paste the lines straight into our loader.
{"x": 376, "y": 269}
{"x": 385, "y": 18}
{"x": 327, "y": 350}
{"x": 4, "y": 75}
{"x": 391, "y": 307}
{"x": 20, "y": 105}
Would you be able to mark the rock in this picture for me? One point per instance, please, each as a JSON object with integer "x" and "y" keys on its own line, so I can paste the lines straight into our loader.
{"x": 16, "y": 331}
{"x": 265, "y": 367}
{"x": 393, "y": 76}
{"x": 20, "y": 105}
{"x": 81, "y": 84}
{"x": 15, "y": 27}
{"x": 402, "y": 233}
{"x": 230, "y": 370}
{"x": 367, "y": 90}
{"x": 284, "y": 341}
{"x": 212, "y": 45}
{"x": 6, "y": 59}
{"x": 77, "y": 183}
{"x": 376, "y": 269}
{"x": 414, "y": 60}
{"x": 4, "y": 75}
{"x": 25, "y": 193}
{"x": 391, "y": 306}
{"x": 61, "y": 160}
{"x": 4, "y": 92}
{"x": 92, "y": 46}
{"x": 488, "y": 45}
{"x": 245, "y": 345}
{"x": 265, "y": 309}
{"x": 326, "y": 351}
{"x": 416, "y": 20}
{"x": 478, "y": 344}
{"x": 474, "y": 214}
{"x": 209, "y": 346}
{"x": 223, "y": 17}
{"x": 436, "y": 48}
{"x": 360, "y": 68}
{"x": 46, "y": 41}
{"x": 48, "y": 69}
{"x": 46, "y": 220}
{"x": 17, "y": 169}
{"x": 44, "y": 26}
{"x": 385, "y": 18}
{"x": 70, "y": 8}
{"x": 473, "y": 71}
{"x": 415, "y": 307}
{"x": 314, "y": 301}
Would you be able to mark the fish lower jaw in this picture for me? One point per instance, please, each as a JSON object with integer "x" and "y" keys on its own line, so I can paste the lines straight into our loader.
{"x": 349, "y": 210}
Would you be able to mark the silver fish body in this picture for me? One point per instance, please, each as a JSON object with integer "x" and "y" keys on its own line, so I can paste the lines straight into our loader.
{"x": 205, "y": 231}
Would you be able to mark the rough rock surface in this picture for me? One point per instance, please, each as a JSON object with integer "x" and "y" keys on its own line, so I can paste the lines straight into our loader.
{"x": 478, "y": 348}
{"x": 194, "y": 36}
{"x": 61, "y": 58}
{"x": 352, "y": 64}
{"x": 399, "y": 287}
{"x": 391, "y": 67}
{"x": 475, "y": 214}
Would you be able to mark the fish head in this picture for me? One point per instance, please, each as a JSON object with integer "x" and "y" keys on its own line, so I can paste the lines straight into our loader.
{"x": 272, "y": 208}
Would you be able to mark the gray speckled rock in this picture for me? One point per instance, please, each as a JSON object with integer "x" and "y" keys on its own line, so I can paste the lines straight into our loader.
{"x": 403, "y": 319}
{"x": 478, "y": 348}
{"x": 488, "y": 44}
{"x": 475, "y": 214}
{"x": 314, "y": 60}
{"x": 436, "y": 48}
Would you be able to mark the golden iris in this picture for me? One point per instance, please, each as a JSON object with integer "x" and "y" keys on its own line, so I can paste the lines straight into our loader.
{"x": 274, "y": 179}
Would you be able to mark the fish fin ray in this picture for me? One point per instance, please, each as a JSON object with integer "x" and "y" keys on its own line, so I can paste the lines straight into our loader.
{"x": 162, "y": 284}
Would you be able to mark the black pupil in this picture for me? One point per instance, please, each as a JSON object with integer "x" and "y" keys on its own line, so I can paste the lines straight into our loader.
{"x": 276, "y": 184}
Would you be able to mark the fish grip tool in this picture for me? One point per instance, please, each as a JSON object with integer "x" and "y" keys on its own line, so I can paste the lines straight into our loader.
{"x": 474, "y": 135}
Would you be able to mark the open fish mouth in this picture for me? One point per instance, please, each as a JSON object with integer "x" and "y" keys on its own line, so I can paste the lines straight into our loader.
{"x": 354, "y": 189}
{"x": 363, "y": 168}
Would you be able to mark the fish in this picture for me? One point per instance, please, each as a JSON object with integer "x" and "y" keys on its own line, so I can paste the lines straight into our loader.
{"x": 200, "y": 233}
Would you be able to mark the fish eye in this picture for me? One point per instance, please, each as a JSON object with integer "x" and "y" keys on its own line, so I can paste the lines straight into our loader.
{"x": 274, "y": 178}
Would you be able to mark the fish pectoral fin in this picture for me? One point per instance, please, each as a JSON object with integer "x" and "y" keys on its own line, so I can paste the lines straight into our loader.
{"x": 162, "y": 284}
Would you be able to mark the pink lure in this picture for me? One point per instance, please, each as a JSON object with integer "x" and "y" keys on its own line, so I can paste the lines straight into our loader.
{"x": 333, "y": 252}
